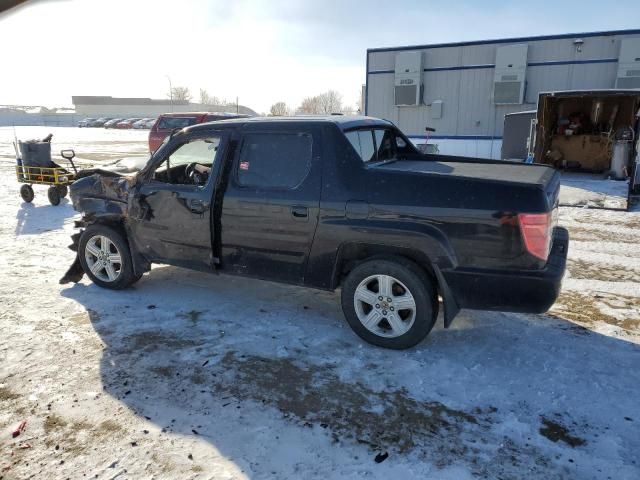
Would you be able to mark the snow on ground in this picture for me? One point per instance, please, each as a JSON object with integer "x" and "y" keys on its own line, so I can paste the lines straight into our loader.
{"x": 189, "y": 375}
{"x": 593, "y": 190}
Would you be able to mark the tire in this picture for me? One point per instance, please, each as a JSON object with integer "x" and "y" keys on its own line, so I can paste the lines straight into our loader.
{"x": 26, "y": 192}
{"x": 63, "y": 190}
{"x": 54, "y": 196}
{"x": 399, "y": 328}
{"x": 99, "y": 248}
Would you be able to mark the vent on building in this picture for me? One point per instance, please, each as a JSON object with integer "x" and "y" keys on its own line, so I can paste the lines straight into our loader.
{"x": 510, "y": 74}
{"x": 408, "y": 79}
{"x": 629, "y": 64}
{"x": 506, "y": 92}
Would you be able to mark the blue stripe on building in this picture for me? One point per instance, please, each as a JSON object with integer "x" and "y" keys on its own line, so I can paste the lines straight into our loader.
{"x": 491, "y": 65}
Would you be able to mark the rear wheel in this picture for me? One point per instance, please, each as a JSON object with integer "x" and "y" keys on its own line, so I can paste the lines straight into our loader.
{"x": 105, "y": 257}
{"x": 390, "y": 303}
{"x": 63, "y": 190}
{"x": 54, "y": 195}
{"x": 26, "y": 192}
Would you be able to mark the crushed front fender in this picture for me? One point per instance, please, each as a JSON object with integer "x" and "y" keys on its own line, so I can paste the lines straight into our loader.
{"x": 101, "y": 196}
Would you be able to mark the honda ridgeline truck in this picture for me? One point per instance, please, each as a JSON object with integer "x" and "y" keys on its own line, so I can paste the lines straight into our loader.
{"x": 331, "y": 202}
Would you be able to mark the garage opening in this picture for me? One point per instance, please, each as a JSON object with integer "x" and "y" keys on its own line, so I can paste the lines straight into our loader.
{"x": 591, "y": 136}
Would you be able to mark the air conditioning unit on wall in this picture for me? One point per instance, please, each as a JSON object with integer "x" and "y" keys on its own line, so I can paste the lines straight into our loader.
{"x": 509, "y": 78}
{"x": 408, "y": 87}
{"x": 629, "y": 64}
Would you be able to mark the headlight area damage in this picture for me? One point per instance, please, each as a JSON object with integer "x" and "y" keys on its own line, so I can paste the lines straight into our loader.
{"x": 101, "y": 196}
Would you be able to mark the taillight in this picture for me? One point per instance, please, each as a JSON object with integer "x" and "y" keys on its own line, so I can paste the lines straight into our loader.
{"x": 536, "y": 229}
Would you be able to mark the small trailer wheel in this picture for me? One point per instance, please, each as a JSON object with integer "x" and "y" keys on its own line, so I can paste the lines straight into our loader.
{"x": 63, "y": 190}
{"x": 54, "y": 195}
{"x": 26, "y": 192}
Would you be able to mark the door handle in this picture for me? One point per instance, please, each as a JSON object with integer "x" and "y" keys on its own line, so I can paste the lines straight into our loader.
{"x": 299, "y": 211}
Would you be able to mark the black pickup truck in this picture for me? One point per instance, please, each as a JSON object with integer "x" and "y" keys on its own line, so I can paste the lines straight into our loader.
{"x": 331, "y": 202}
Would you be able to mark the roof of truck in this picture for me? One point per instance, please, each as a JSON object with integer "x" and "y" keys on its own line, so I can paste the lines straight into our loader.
{"x": 344, "y": 122}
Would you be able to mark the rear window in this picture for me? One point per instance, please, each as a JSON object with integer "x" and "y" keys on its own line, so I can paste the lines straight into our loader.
{"x": 274, "y": 160}
{"x": 169, "y": 123}
{"x": 362, "y": 141}
{"x": 379, "y": 144}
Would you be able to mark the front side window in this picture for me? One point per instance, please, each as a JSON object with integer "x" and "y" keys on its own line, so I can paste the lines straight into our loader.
{"x": 190, "y": 163}
{"x": 274, "y": 160}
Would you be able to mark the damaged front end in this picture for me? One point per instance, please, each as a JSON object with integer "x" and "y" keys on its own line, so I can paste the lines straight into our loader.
{"x": 101, "y": 196}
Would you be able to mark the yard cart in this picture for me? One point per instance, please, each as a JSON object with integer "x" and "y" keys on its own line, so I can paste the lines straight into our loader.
{"x": 34, "y": 166}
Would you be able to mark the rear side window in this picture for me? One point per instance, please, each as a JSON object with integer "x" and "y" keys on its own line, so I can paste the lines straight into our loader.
{"x": 169, "y": 123}
{"x": 385, "y": 143}
{"x": 362, "y": 141}
{"x": 274, "y": 160}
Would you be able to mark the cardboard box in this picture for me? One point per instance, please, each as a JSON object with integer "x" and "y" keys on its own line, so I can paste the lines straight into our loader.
{"x": 592, "y": 152}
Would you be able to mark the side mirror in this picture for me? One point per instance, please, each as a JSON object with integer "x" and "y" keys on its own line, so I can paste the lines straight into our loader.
{"x": 68, "y": 154}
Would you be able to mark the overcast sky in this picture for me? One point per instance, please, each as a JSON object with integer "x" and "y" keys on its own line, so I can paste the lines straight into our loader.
{"x": 262, "y": 51}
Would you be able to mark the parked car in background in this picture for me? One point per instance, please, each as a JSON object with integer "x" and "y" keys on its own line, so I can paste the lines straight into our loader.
{"x": 150, "y": 123}
{"x": 112, "y": 123}
{"x": 141, "y": 123}
{"x": 168, "y": 122}
{"x": 99, "y": 122}
{"x": 85, "y": 122}
{"x": 127, "y": 123}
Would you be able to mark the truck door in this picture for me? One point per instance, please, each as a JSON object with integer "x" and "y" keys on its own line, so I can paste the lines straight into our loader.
{"x": 271, "y": 205}
{"x": 171, "y": 208}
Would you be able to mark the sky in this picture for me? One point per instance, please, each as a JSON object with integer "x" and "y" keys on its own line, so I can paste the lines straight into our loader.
{"x": 260, "y": 51}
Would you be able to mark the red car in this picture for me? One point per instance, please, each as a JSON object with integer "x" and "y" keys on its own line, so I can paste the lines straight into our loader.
{"x": 127, "y": 123}
{"x": 168, "y": 122}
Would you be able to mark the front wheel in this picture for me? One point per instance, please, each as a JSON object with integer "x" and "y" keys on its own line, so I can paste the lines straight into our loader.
{"x": 105, "y": 257}
{"x": 390, "y": 303}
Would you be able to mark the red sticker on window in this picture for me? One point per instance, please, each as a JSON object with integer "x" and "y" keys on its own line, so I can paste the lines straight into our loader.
{"x": 244, "y": 165}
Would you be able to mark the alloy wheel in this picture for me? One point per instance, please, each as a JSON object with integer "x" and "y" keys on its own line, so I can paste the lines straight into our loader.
{"x": 103, "y": 258}
{"x": 385, "y": 306}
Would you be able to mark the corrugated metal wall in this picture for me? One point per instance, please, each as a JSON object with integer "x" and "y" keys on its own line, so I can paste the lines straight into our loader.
{"x": 462, "y": 77}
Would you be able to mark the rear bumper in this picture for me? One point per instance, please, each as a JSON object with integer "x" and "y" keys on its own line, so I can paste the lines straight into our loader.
{"x": 526, "y": 291}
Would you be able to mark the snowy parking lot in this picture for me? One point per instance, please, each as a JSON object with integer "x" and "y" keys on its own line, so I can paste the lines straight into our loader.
{"x": 189, "y": 375}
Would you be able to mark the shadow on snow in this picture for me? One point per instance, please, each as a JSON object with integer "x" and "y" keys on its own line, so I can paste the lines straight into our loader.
{"x": 261, "y": 369}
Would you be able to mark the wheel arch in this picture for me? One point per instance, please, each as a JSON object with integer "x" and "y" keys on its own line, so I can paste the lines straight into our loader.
{"x": 119, "y": 223}
{"x": 349, "y": 255}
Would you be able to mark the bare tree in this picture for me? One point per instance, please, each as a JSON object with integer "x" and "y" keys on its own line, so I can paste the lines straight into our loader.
{"x": 309, "y": 105}
{"x": 279, "y": 109}
{"x": 325, "y": 103}
{"x": 330, "y": 102}
{"x": 351, "y": 110}
{"x": 180, "y": 93}
{"x": 205, "y": 99}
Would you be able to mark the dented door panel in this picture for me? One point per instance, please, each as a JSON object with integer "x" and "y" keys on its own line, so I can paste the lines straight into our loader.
{"x": 172, "y": 224}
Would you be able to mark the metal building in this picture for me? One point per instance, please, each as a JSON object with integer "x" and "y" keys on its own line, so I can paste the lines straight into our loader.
{"x": 464, "y": 90}
{"x": 106, "y": 106}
